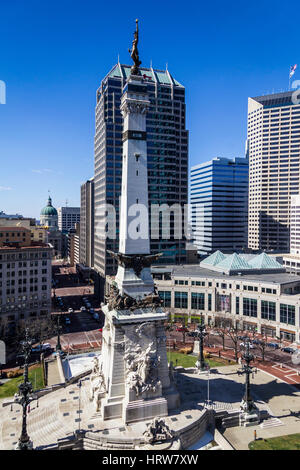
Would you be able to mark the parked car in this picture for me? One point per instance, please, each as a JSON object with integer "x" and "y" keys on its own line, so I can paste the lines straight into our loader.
{"x": 67, "y": 321}
{"x": 256, "y": 341}
{"x": 193, "y": 334}
{"x": 82, "y": 309}
{"x": 288, "y": 349}
{"x": 242, "y": 338}
{"x": 40, "y": 348}
{"x": 88, "y": 305}
{"x": 243, "y": 345}
{"x": 182, "y": 328}
{"x": 96, "y": 316}
{"x": 70, "y": 310}
{"x": 273, "y": 345}
{"x": 92, "y": 311}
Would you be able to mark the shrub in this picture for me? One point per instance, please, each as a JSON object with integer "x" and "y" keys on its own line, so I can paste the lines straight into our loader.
{"x": 186, "y": 350}
{"x": 14, "y": 373}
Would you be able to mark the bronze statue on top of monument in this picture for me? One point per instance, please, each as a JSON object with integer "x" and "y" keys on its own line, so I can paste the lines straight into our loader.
{"x": 134, "y": 53}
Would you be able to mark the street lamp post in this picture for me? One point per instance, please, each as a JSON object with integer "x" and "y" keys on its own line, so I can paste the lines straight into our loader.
{"x": 201, "y": 333}
{"x": 247, "y": 404}
{"x": 25, "y": 397}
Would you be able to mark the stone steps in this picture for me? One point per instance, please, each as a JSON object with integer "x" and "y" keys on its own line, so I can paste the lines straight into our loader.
{"x": 271, "y": 422}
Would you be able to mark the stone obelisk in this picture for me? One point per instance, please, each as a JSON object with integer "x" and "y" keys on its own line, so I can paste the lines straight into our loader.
{"x": 136, "y": 384}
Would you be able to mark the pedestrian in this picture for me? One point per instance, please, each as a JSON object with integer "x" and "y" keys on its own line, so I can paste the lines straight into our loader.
{"x": 219, "y": 353}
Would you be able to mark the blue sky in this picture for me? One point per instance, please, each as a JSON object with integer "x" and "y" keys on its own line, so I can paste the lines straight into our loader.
{"x": 55, "y": 53}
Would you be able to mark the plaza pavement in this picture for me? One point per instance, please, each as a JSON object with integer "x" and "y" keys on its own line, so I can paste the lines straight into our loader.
{"x": 58, "y": 413}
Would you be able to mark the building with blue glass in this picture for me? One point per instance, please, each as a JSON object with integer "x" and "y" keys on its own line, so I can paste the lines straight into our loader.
{"x": 219, "y": 205}
{"x": 167, "y": 155}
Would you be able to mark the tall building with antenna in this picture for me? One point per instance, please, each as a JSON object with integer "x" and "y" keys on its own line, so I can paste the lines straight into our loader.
{"x": 167, "y": 150}
{"x": 273, "y": 146}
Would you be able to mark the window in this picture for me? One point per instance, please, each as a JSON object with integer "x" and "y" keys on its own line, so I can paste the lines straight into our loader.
{"x": 268, "y": 310}
{"x": 250, "y": 307}
{"x": 198, "y": 300}
{"x": 166, "y": 298}
{"x": 181, "y": 299}
{"x": 287, "y": 314}
{"x": 237, "y": 305}
{"x": 209, "y": 302}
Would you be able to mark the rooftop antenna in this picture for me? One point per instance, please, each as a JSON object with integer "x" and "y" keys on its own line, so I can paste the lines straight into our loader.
{"x": 151, "y": 64}
{"x": 67, "y": 202}
{"x": 166, "y": 66}
{"x": 118, "y": 59}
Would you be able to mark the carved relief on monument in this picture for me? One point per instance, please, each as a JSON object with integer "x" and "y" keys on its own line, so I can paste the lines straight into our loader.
{"x": 157, "y": 431}
{"x": 97, "y": 387}
{"x": 124, "y": 302}
{"x": 141, "y": 358}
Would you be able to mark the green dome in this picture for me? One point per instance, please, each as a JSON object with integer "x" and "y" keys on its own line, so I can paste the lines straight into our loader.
{"x": 49, "y": 209}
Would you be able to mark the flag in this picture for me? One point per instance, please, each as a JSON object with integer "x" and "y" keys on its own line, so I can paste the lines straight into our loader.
{"x": 292, "y": 70}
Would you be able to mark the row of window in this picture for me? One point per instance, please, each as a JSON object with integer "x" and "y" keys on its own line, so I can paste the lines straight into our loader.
{"x": 182, "y": 282}
{"x": 268, "y": 309}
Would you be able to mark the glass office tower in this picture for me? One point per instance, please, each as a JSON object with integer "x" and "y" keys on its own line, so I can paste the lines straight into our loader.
{"x": 274, "y": 166}
{"x": 219, "y": 205}
{"x": 167, "y": 149}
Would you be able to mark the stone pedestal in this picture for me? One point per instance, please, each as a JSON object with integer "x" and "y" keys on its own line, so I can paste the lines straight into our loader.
{"x": 135, "y": 366}
{"x": 249, "y": 419}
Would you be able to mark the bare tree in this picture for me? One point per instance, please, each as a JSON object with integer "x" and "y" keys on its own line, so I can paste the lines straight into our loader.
{"x": 4, "y": 328}
{"x": 262, "y": 345}
{"x": 221, "y": 326}
{"x": 41, "y": 329}
{"x": 233, "y": 333}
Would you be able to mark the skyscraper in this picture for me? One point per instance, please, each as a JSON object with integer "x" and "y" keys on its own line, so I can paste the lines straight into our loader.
{"x": 68, "y": 217}
{"x": 274, "y": 165}
{"x": 167, "y": 150}
{"x": 87, "y": 223}
{"x": 219, "y": 203}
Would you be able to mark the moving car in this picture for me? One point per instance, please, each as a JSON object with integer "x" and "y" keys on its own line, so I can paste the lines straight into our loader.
{"x": 70, "y": 310}
{"x": 82, "y": 309}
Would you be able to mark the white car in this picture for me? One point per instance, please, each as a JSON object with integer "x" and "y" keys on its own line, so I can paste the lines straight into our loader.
{"x": 243, "y": 345}
{"x": 82, "y": 309}
{"x": 70, "y": 310}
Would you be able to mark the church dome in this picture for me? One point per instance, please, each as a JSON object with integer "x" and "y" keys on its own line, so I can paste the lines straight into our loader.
{"x": 49, "y": 209}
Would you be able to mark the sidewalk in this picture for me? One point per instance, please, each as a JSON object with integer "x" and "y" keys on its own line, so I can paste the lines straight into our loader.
{"x": 280, "y": 371}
